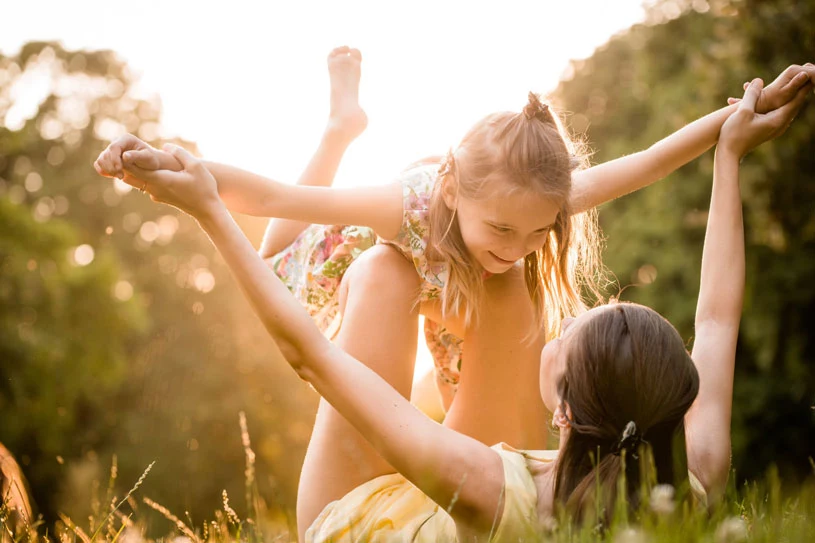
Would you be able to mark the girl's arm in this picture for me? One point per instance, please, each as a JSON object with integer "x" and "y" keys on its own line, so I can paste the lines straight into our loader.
{"x": 615, "y": 178}
{"x": 379, "y": 207}
{"x": 718, "y": 311}
{"x": 448, "y": 466}
{"x": 624, "y": 175}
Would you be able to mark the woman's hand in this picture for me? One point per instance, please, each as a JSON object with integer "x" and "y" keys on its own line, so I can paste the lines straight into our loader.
{"x": 192, "y": 189}
{"x": 110, "y": 162}
{"x": 784, "y": 88}
{"x": 745, "y": 129}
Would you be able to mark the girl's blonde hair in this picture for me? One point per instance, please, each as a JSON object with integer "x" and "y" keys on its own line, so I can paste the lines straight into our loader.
{"x": 531, "y": 150}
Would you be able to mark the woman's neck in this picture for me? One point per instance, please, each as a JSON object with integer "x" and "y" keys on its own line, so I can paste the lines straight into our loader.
{"x": 544, "y": 474}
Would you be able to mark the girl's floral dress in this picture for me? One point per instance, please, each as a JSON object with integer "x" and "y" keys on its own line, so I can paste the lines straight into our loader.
{"x": 313, "y": 265}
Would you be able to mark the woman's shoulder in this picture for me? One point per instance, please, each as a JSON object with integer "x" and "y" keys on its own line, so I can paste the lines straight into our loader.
{"x": 543, "y": 455}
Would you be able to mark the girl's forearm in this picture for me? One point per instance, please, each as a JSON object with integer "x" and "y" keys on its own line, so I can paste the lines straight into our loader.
{"x": 624, "y": 175}
{"x": 252, "y": 194}
{"x": 721, "y": 290}
{"x": 378, "y": 207}
{"x": 687, "y": 143}
{"x": 243, "y": 191}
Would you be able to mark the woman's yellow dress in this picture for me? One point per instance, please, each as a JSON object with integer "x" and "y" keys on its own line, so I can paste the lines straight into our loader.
{"x": 389, "y": 509}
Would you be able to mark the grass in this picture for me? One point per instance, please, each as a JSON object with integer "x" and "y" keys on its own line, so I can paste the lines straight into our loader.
{"x": 759, "y": 511}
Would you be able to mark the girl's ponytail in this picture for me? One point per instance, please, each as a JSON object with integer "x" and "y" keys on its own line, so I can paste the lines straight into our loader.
{"x": 535, "y": 109}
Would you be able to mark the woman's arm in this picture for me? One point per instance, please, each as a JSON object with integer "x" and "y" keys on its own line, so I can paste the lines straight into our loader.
{"x": 624, "y": 175}
{"x": 444, "y": 464}
{"x": 718, "y": 314}
{"x": 721, "y": 292}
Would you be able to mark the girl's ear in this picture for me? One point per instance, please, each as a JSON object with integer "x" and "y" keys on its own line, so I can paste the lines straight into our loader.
{"x": 449, "y": 191}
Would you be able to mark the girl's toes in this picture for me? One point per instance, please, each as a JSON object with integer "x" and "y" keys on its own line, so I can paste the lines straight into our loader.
{"x": 342, "y": 50}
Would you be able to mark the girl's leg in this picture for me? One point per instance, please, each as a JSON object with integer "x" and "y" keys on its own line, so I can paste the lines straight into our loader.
{"x": 498, "y": 398}
{"x": 379, "y": 328}
{"x": 346, "y": 121}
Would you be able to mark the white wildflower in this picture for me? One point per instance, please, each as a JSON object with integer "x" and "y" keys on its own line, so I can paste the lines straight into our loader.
{"x": 631, "y": 535}
{"x": 662, "y": 499}
{"x": 731, "y": 530}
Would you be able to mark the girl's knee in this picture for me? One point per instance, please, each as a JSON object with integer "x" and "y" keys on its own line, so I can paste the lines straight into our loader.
{"x": 383, "y": 272}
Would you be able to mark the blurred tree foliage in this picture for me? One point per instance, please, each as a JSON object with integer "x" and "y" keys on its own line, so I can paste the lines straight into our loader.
{"x": 646, "y": 83}
{"x": 120, "y": 330}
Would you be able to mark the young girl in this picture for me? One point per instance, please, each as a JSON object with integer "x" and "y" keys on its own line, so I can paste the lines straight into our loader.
{"x": 619, "y": 381}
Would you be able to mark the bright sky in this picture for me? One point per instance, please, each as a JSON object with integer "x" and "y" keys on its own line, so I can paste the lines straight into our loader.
{"x": 247, "y": 80}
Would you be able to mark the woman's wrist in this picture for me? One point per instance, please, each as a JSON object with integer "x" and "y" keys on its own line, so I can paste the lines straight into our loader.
{"x": 724, "y": 114}
{"x": 725, "y": 151}
{"x": 211, "y": 215}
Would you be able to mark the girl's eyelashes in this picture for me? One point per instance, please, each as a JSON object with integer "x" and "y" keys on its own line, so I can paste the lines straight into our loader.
{"x": 500, "y": 229}
{"x": 506, "y": 229}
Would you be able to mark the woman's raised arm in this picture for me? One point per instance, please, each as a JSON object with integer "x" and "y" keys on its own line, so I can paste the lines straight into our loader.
{"x": 448, "y": 466}
{"x": 718, "y": 311}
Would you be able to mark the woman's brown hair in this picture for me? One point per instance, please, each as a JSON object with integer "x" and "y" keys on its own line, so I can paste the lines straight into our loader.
{"x": 629, "y": 374}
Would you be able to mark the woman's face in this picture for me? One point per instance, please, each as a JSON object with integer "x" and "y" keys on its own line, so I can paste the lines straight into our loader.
{"x": 555, "y": 354}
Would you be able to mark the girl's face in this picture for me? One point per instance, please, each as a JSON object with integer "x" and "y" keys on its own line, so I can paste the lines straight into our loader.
{"x": 501, "y": 229}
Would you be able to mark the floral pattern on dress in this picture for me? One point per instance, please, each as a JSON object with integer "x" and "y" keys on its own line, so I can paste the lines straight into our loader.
{"x": 313, "y": 265}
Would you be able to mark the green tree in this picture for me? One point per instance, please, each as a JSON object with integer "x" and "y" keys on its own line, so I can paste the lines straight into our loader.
{"x": 123, "y": 332}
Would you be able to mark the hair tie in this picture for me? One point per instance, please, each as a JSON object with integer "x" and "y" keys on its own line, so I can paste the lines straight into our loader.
{"x": 448, "y": 165}
{"x": 536, "y": 109}
{"x": 629, "y": 442}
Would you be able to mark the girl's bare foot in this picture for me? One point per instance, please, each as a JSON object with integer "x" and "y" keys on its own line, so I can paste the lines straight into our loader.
{"x": 346, "y": 119}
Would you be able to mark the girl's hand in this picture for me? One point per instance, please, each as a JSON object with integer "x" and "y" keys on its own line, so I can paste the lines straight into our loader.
{"x": 192, "y": 189}
{"x": 131, "y": 150}
{"x": 745, "y": 129}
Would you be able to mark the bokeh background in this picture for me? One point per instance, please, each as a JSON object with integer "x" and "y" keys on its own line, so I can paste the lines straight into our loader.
{"x": 122, "y": 334}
